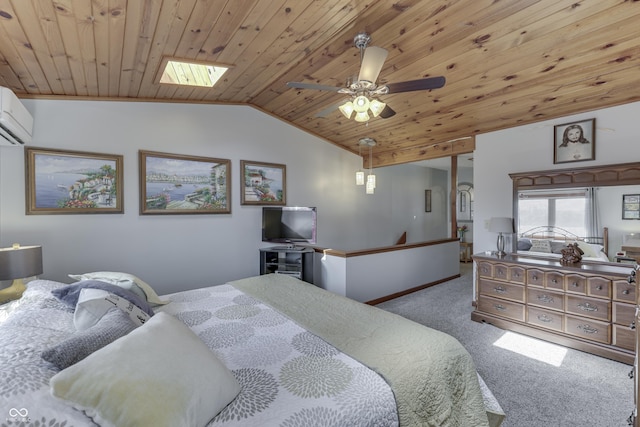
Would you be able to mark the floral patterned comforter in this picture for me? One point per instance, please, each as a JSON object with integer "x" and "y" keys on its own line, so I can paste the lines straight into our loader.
{"x": 289, "y": 377}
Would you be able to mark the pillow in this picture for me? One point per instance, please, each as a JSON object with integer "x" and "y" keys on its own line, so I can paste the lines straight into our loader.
{"x": 538, "y": 245}
{"x": 524, "y": 244}
{"x": 124, "y": 280}
{"x": 590, "y": 250}
{"x": 160, "y": 374}
{"x": 95, "y": 303}
{"x": 558, "y": 246}
{"x": 69, "y": 294}
{"x": 113, "y": 325}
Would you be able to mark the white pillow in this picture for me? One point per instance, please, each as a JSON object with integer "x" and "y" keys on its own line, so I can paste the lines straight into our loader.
{"x": 126, "y": 281}
{"x": 160, "y": 374}
{"x": 93, "y": 304}
{"x": 540, "y": 245}
{"x": 591, "y": 250}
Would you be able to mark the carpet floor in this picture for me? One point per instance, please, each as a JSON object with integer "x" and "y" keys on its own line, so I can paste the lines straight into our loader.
{"x": 571, "y": 388}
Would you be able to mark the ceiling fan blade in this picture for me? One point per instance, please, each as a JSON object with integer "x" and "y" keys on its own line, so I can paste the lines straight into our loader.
{"x": 330, "y": 109}
{"x": 420, "y": 84}
{"x": 372, "y": 62}
{"x": 387, "y": 112}
{"x": 299, "y": 85}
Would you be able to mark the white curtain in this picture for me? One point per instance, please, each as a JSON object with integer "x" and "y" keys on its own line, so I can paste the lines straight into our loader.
{"x": 593, "y": 216}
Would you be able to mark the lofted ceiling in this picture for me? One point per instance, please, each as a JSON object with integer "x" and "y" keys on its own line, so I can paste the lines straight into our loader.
{"x": 506, "y": 62}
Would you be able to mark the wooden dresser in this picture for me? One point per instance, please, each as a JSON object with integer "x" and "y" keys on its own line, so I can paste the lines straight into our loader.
{"x": 586, "y": 306}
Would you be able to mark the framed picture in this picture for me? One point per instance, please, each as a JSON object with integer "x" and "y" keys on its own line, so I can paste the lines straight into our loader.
{"x": 73, "y": 182}
{"x": 574, "y": 142}
{"x": 631, "y": 206}
{"x": 178, "y": 184}
{"x": 427, "y": 200}
{"x": 263, "y": 183}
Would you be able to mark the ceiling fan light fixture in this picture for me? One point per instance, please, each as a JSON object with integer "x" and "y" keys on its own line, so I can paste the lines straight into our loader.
{"x": 362, "y": 117}
{"x": 376, "y": 107}
{"x": 361, "y": 104}
{"x": 346, "y": 109}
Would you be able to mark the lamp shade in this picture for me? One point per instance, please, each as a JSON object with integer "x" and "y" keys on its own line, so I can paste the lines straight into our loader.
{"x": 20, "y": 262}
{"x": 501, "y": 225}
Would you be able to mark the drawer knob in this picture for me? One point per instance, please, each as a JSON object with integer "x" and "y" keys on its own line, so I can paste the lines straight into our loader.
{"x": 588, "y": 329}
{"x": 500, "y": 307}
{"x": 625, "y": 292}
{"x": 574, "y": 284}
{"x": 632, "y": 326}
{"x": 535, "y": 277}
{"x": 500, "y": 290}
{"x": 585, "y": 306}
{"x": 554, "y": 280}
{"x": 599, "y": 288}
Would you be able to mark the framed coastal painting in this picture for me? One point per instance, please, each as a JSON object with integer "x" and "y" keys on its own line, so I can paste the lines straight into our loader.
{"x": 180, "y": 184}
{"x": 73, "y": 182}
{"x": 574, "y": 142}
{"x": 631, "y": 206}
{"x": 263, "y": 183}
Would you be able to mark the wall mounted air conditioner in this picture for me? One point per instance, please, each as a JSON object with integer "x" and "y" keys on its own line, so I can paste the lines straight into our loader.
{"x": 16, "y": 123}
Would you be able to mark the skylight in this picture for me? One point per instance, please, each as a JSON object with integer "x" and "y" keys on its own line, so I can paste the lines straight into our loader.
{"x": 532, "y": 348}
{"x": 191, "y": 73}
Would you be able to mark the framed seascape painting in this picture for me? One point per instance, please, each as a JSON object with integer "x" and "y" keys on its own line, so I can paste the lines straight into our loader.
{"x": 178, "y": 184}
{"x": 73, "y": 182}
{"x": 574, "y": 142}
{"x": 263, "y": 183}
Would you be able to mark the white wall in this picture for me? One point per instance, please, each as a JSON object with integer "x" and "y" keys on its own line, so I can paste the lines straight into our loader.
{"x": 530, "y": 148}
{"x": 174, "y": 252}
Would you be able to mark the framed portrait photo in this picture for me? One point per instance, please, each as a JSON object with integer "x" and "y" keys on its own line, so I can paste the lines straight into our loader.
{"x": 263, "y": 183}
{"x": 631, "y": 206}
{"x": 574, "y": 142}
{"x": 73, "y": 182}
{"x": 179, "y": 184}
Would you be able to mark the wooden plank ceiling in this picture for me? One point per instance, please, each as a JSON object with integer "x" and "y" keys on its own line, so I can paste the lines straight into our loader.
{"x": 506, "y": 62}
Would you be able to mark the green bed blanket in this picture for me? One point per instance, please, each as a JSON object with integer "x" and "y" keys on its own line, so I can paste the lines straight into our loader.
{"x": 432, "y": 376}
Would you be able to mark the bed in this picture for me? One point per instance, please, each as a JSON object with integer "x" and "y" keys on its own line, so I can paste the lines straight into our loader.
{"x": 548, "y": 241}
{"x": 266, "y": 350}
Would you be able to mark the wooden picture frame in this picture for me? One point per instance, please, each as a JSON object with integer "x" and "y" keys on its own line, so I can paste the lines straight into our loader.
{"x": 631, "y": 206}
{"x": 263, "y": 183}
{"x": 574, "y": 142}
{"x": 181, "y": 184}
{"x": 73, "y": 182}
{"x": 427, "y": 200}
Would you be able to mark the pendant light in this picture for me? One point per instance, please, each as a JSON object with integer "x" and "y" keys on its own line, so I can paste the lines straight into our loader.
{"x": 360, "y": 172}
{"x": 371, "y": 178}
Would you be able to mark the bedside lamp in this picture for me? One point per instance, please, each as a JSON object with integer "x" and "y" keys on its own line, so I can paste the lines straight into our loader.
{"x": 501, "y": 225}
{"x": 16, "y": 263}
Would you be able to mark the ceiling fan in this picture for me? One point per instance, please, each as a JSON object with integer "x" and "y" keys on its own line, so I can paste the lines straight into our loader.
{"x": 364, "y": 90}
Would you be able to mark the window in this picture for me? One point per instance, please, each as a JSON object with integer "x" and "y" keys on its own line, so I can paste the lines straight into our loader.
{"x": 566, "y": 209}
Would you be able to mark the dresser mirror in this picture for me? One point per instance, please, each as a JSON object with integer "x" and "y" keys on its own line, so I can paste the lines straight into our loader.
{"x": 582, "y": 201}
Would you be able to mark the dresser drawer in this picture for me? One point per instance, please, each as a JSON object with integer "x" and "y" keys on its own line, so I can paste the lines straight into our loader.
{"x": 624, "y": 291}
{"x": 545, "y": 318}
{"x": 501, "y": 290}
{"x": 576, "y": 284}
{"x": 588, "y": 307}
{"x": 500, "y": 272}
{"x": 485, "y": 269}
{"x": 517, "y": 274}
{"x": 502, "y": 308}
{"x": 599, "y": 287}
{"x": 545, "y": 298}
{"x": 623, "y": 314}
{"x": 535, "y": 277}
{"x": 589, "y": 329}
{"x": 624, "y": 337}
{"x": 554, "y": 280}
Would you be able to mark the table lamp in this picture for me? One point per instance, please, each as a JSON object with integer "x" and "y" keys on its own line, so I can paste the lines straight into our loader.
{"x": 501, "y": 225}
{"x": 17, "y": 263}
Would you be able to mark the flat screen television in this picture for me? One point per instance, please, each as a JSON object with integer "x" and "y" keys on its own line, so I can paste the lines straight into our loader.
{"x": 289, "y": 225}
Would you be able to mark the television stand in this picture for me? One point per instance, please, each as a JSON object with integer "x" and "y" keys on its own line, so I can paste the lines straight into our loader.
{"x": 295, "y": 261}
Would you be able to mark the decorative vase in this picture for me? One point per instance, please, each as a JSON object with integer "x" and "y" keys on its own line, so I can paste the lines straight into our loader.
{"x": 461, "y": 235}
